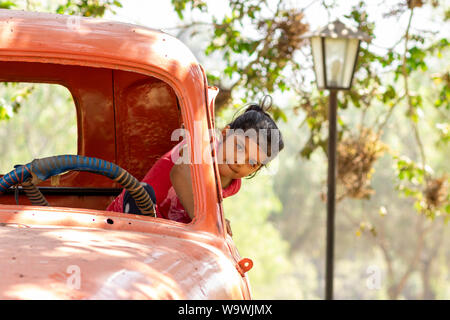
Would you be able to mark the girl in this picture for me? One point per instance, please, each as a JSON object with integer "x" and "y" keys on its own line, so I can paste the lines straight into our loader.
{"x": 239, "y": 155}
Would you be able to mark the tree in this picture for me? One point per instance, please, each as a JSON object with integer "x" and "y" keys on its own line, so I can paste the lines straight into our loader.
{"x": 37, "y": 132}
{"x": 259, "y": 42}
{"x": 87, "y": 8}
{"x": 261, "y": 63}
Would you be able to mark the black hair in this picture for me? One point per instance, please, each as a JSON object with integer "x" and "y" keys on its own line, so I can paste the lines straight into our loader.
{"x": 257, "y": 118}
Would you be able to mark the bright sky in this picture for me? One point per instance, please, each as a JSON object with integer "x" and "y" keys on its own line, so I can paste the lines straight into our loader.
{"x": 159, "y": 14}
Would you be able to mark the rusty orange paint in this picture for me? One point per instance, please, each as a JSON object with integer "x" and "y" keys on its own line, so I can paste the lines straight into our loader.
{"x": 132, "y": 86}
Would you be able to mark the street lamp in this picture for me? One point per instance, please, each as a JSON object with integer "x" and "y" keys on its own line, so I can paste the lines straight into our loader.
{"x": 335, "y": 50}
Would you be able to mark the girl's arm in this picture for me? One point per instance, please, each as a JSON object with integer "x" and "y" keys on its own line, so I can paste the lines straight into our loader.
{"x": 180, "y": 176}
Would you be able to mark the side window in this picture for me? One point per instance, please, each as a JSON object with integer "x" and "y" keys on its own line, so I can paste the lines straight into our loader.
{"x": 37, "y": 120}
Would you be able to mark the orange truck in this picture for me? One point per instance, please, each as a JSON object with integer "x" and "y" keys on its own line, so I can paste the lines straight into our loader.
{"x": 132, "y": 87}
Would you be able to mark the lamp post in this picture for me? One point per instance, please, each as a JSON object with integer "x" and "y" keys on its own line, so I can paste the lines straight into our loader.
{"x": 335, "y": 49}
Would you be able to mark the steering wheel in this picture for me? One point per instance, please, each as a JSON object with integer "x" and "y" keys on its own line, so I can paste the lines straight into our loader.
{"x": 39, "y": 170}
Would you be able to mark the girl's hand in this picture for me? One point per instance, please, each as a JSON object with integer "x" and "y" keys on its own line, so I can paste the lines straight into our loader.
{"x": 228, "y": 227}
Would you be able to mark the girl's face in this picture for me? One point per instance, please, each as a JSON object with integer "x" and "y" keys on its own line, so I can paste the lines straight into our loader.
{"x": 239, "y": 156}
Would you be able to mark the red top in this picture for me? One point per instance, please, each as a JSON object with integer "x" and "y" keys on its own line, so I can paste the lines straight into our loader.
{"x": 168, "y": 205}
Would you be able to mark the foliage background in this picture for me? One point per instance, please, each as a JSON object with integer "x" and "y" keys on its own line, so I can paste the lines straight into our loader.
{"x": 393, "y": 137}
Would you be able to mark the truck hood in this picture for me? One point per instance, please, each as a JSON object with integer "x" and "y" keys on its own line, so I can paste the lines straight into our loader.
{"x": 76, "y": 262}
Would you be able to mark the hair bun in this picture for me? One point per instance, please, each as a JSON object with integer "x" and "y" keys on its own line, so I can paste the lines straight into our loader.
{"x": 264, "y": 105}
{"x": 254, "y": 107}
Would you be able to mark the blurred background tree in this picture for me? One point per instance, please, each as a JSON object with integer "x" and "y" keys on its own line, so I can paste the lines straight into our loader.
{"x": 87, "y": 8}
{"x": 400, "y": 93}
{"x": 36, "y": 132}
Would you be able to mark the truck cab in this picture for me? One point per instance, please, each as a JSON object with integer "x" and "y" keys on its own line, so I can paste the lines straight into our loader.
{"x": 132, "y": 87}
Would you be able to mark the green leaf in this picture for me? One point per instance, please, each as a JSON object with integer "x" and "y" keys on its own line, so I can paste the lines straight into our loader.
{"x": 7, "y": 4}
{"x": 117, "y": 4}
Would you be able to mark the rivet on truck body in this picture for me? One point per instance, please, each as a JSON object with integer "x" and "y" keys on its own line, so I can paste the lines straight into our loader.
{"x": 245, "y": 265}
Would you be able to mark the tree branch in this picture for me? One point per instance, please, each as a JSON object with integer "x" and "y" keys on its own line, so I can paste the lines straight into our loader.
{"x": 409, "y": 99}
